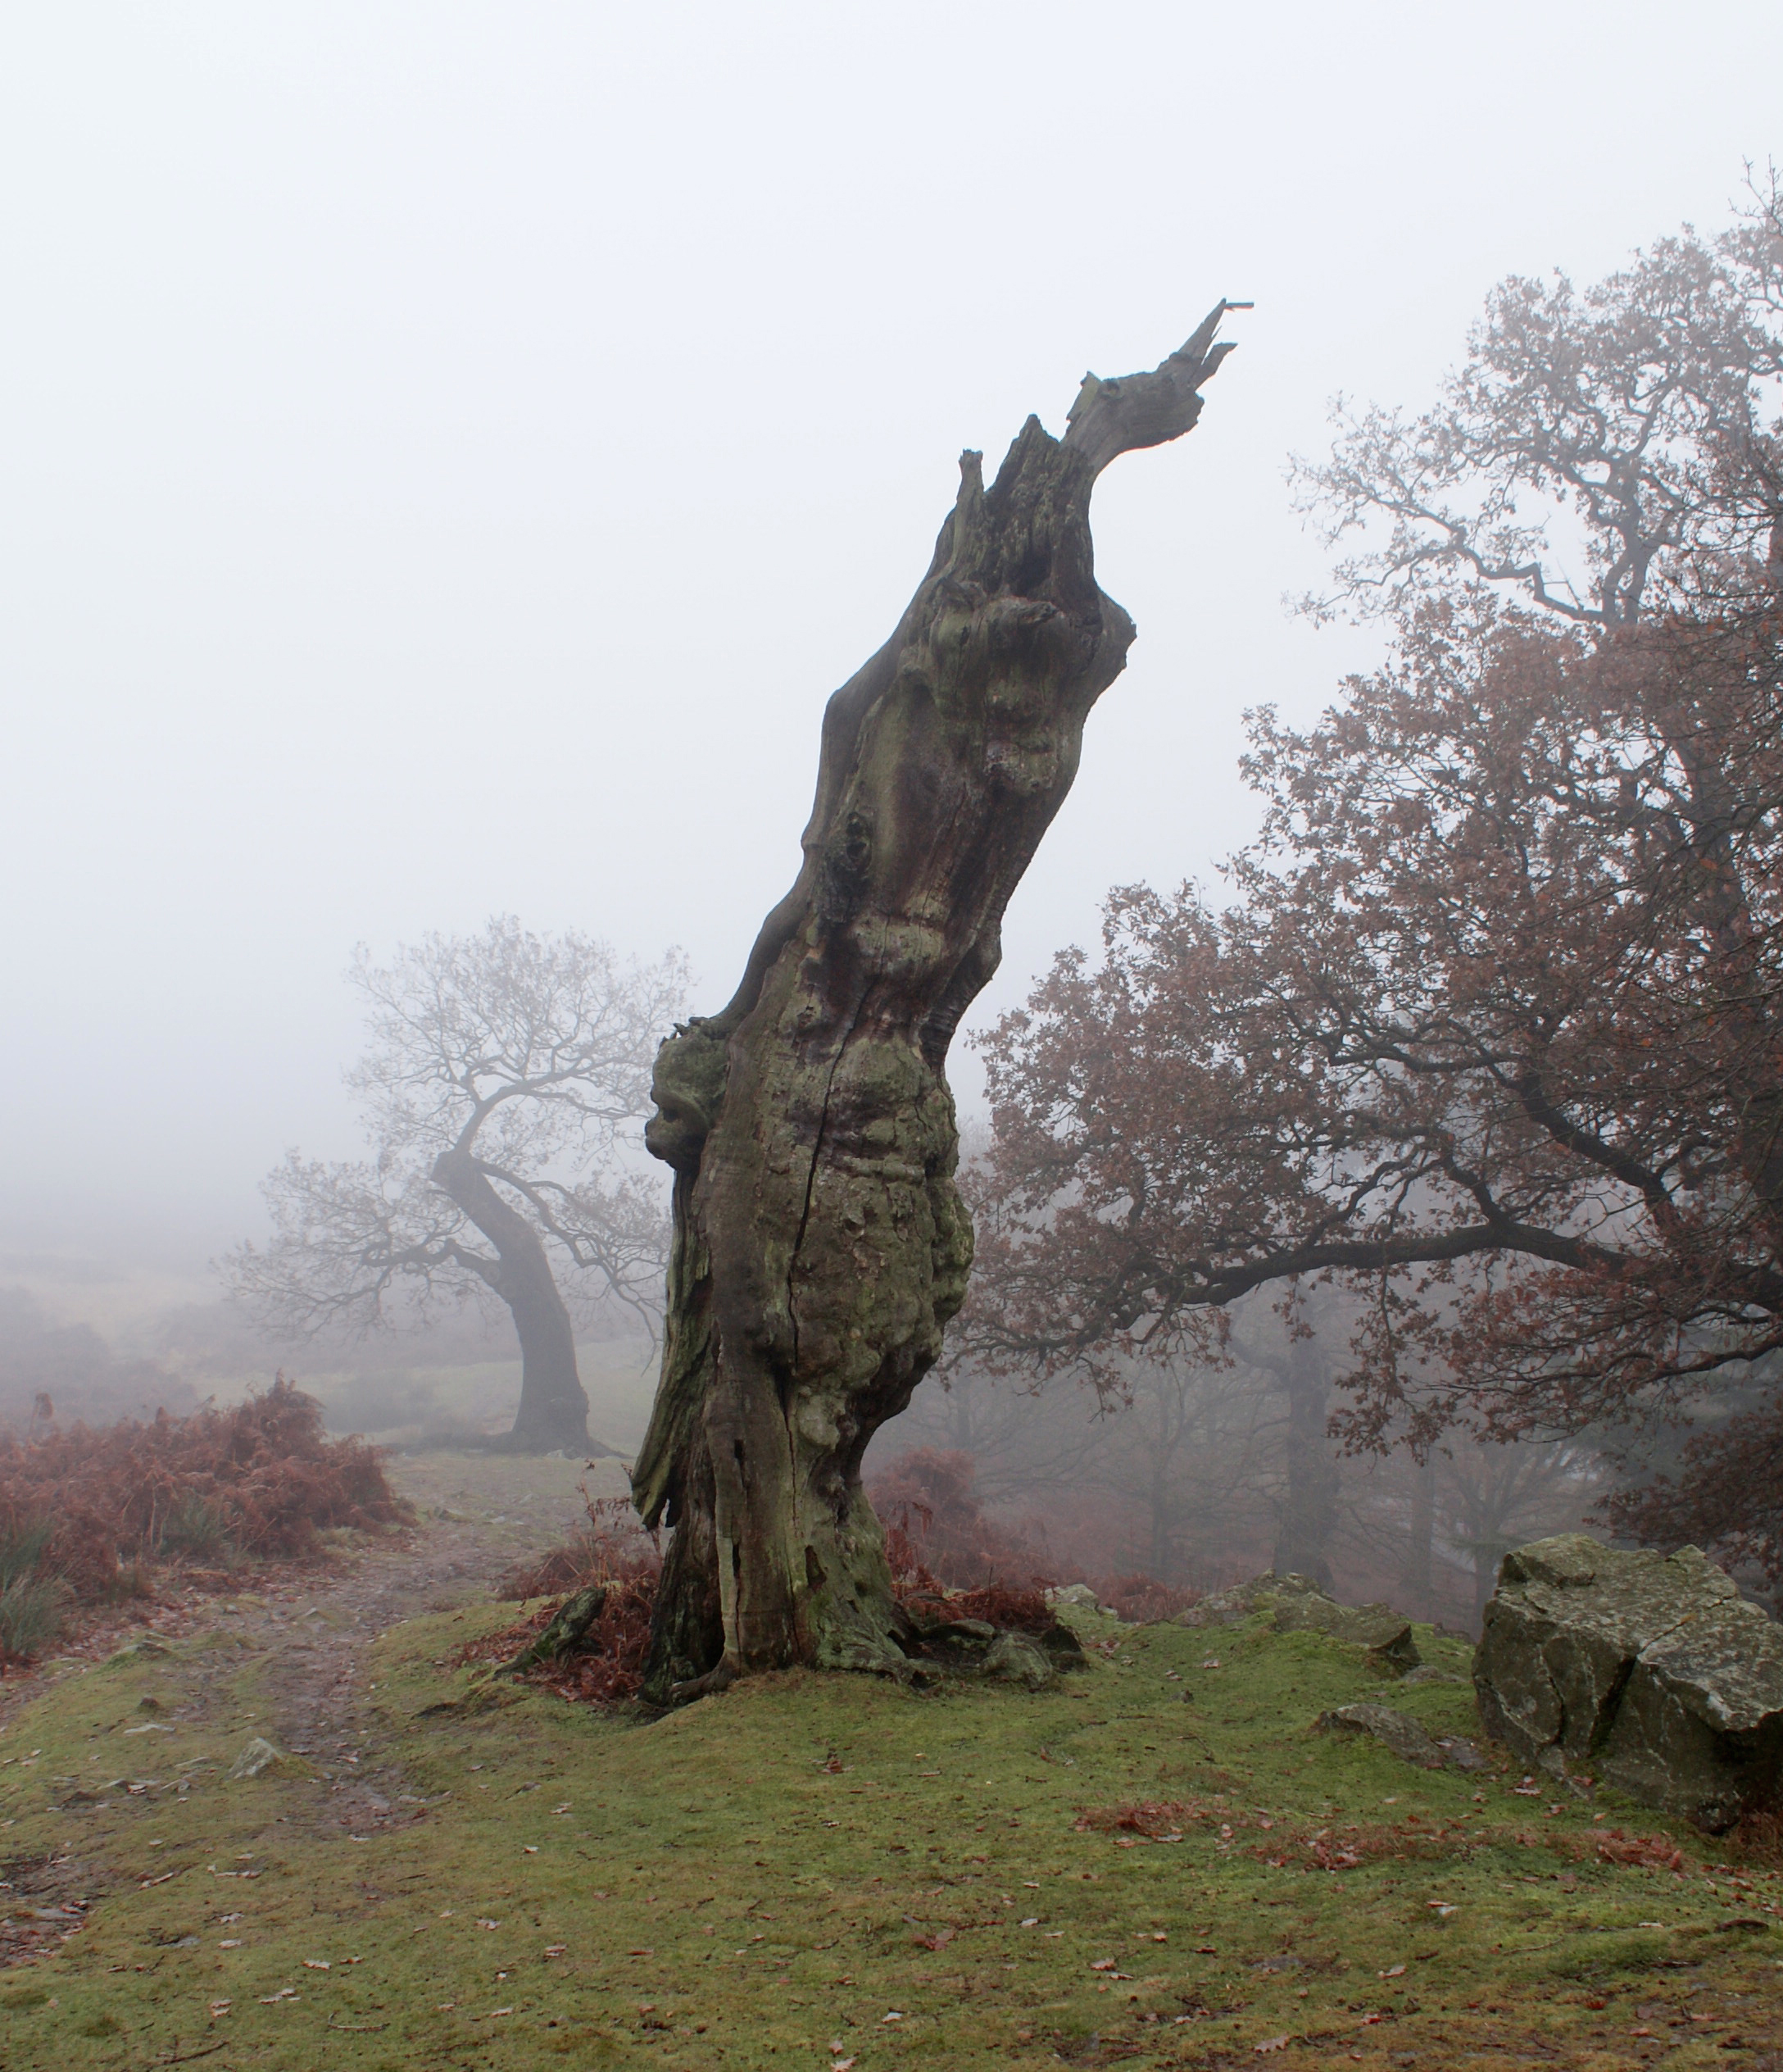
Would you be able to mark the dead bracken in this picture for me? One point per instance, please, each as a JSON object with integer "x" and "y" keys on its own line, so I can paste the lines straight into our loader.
{"x": 91, "y": 1516}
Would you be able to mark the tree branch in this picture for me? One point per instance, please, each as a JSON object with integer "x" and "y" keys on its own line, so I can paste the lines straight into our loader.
{"x": 1110, "y": 418}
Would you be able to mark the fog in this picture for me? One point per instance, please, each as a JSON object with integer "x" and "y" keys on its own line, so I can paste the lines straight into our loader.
{"x": 451, "y": 454}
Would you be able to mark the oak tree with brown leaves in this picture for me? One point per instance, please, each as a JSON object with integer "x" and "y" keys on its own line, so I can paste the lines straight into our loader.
{"x": 1490, "y": 1027}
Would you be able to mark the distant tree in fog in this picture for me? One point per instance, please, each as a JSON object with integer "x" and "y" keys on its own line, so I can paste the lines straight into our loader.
{"x": 505, "y": 1075}
{"x": 1491, "y": 1031}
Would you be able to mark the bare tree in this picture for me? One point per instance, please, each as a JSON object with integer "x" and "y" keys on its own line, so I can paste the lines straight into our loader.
{"x": 506, "y": 1074}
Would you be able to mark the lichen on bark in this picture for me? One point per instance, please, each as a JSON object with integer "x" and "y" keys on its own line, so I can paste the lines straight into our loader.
{"x": 820, "y": 1243}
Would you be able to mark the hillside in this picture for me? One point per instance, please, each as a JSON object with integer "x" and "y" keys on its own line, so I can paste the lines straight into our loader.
{"x": 1161, "y": 1862}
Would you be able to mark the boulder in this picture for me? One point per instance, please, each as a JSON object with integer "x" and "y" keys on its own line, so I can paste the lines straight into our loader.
{"x": 1063, "y": 1648}
{"x": 978, "y": 1631}
{"x": 1387, "y": 1634}
{"x": 1301, "y": 1605}
{"x": 1073, "y": 1594}
{"x": 1015, "y": 1658}
{"x": 1649, "y": 1671}
{"x": 1232, "y": 1606}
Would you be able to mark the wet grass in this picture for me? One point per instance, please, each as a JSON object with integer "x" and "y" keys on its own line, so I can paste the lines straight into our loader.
{"x": 807, "y": 1871}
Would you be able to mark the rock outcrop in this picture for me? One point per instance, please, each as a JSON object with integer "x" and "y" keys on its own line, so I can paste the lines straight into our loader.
{"x": 1300, "y": 1605}
{"x": 1647, "y": 1671}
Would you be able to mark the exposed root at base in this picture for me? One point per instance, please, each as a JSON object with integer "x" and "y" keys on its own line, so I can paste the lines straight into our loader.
{"x": 718, "y": 1678}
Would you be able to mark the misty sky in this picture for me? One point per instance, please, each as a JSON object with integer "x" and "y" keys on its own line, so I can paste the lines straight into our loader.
{"x": 448, "y": 455}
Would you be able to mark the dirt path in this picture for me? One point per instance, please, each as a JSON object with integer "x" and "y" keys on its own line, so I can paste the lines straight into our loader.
{"x": 478, "y": 1519}
{"x": 306, "y": 1631}
{"x": 315, "y": 1650}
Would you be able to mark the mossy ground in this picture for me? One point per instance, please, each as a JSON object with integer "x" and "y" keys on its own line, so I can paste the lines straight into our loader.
{"x": 809, "y": 1870}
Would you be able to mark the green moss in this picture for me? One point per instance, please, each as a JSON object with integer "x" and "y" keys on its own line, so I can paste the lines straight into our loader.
{"x": 743, "y": 1883}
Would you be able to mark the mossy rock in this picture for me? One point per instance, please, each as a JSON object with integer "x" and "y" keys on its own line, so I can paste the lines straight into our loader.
{"x": 1649, "y": 1671}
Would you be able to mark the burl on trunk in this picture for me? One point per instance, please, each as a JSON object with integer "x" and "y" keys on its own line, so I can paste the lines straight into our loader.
{"x": 820, "y": 1245}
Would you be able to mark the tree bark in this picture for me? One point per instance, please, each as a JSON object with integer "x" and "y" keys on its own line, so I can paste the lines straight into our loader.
{"x": 820, "y": 1244}
{"x": 553, "y": 1411}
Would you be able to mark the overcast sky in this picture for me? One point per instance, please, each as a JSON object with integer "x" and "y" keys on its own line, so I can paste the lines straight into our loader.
{"x": 448, "y": 455}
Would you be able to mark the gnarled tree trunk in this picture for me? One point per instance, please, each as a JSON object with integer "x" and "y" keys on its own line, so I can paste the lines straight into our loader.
{"x": 820, "y": 1245}
{"x": 553, "y": 1409}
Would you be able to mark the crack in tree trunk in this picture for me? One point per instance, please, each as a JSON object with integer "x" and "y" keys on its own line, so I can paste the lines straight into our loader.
{"x": 820, "y": 1243}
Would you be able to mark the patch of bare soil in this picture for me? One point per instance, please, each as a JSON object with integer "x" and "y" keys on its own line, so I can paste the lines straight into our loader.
{"x": 477, "y": 1516}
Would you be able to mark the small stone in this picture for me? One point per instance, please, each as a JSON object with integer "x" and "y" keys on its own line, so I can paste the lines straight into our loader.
{"x": 137, "y": 1651}
{"x": 260, "y": 1758}
{"x": 1073, "y": 1594}
{"x": 1459, "y": 1753}
{"x": 1396, "y": 1731}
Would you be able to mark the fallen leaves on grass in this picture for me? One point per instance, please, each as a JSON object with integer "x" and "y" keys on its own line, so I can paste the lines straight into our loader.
{"x": 1650, "y": 1852}
{"x": 1153, "y": 1820}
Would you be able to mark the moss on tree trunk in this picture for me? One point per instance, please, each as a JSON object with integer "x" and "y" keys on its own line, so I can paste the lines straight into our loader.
{"x": 820, "y": 1243}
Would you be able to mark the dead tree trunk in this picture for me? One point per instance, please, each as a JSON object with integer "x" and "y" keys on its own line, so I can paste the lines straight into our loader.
{"x": 553, "y": 1409}
{"x": 819, "y": 1243}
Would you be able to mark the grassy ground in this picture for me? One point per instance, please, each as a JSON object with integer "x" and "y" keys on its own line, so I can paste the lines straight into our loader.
{"x": 828, "y": 1871}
